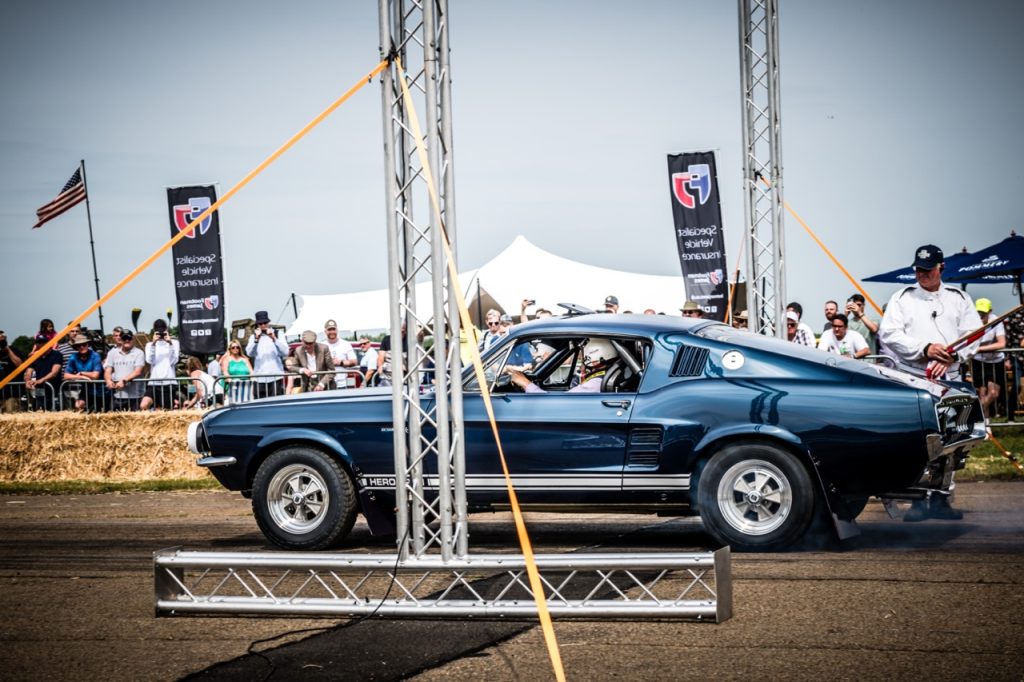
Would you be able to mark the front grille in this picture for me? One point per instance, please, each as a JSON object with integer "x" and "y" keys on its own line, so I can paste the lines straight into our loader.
{"x": 957, "y": 416}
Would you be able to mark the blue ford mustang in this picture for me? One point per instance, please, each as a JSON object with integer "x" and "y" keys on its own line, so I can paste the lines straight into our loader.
{"x": 754, "y": 434}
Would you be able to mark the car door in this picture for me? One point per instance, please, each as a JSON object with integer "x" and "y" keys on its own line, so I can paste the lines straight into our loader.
{"x": 562, "y": 447}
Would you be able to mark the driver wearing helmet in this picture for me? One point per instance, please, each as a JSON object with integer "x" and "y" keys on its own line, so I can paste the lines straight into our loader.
{"x": 598, "y": 354}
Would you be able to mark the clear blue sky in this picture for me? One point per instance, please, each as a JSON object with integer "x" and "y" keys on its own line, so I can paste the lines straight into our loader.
{"x": 900, "y": 126}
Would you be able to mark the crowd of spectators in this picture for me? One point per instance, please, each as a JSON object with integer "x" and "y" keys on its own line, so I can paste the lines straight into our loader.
{"x": 131, "y": 371}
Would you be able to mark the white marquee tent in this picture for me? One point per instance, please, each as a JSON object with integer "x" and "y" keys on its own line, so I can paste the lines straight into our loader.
{"x": 521, "y": 271}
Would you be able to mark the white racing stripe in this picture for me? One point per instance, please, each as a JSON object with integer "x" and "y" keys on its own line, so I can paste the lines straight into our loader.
{"x": 554, "y": 482}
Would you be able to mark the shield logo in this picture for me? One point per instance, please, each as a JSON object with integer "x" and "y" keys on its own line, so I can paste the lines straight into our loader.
{"x": 694, "y": 184}
{"x": 185, "y": 214}
{"x": 211, "y": 302}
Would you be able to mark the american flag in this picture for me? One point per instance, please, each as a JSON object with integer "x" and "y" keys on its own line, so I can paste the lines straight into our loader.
{"x": 72, "y": 193}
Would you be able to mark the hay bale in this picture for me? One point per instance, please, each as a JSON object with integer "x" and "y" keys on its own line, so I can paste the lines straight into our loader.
{"x": 116, "y": 446}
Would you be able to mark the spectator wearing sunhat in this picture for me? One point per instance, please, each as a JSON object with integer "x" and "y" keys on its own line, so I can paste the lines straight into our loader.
{"x": 84, "y": 366}
{"x": 313, "y": 364}
{"x": 740, "y": 320}
{"x": 987, "y": 373}
{"x": 611, "y": 304}
{"x": 692, "y": 309}
{"x": 268, "y": 353}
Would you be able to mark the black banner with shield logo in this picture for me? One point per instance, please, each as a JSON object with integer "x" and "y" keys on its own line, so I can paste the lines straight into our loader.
{"x": 693, "y": 179}
{"x": 198, "y": 271}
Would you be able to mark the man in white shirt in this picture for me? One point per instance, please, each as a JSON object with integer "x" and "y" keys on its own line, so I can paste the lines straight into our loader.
{"x": 920, "y": 323}
{"x": 987, "y": 372}
{"x": 268, "y": 353}
{"x": 342, "y": 354}
{"x": 922, "y": 320}
{"x": 841, "y": 340}
{"x": 124, "y": 363}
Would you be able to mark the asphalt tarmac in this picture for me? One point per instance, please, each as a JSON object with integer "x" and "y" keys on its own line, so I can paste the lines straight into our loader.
{"x": 936, "y": 600}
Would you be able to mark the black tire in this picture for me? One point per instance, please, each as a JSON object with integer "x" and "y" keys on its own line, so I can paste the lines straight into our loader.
{"x": 302, "y": 499}
{"x": 755, "y": 497}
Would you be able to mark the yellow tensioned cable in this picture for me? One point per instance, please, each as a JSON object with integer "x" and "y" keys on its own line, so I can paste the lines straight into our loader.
{"x": 202, "y": 216}
{"x": 828, "y": 253}
{"x": 524, "y": 539}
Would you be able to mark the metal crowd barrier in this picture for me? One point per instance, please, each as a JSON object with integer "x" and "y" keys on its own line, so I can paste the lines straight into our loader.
{"x": 17, "y": 397}
{"x": 97, "y": 397}
{"x": 999, "y": 387}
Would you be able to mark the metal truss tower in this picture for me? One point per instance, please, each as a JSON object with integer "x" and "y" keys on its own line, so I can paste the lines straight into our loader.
{"x": 762, "y": 166}
{"x": 431, "y": 447}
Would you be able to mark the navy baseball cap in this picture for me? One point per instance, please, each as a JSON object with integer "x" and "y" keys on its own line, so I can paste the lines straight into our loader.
{"x": 928, "y": 256}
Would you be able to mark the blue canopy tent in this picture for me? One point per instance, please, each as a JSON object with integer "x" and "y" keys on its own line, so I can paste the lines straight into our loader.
{"x": 1004, "y": 259}
{"x": 953, "y": 262}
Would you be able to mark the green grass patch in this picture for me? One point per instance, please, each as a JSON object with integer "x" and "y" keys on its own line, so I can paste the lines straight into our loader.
{"x": 94, "y": 487}
{"x": 987, "y": 462}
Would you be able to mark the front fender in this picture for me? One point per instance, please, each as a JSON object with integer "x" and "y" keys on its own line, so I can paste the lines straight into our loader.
{"x": 378, "y": 516}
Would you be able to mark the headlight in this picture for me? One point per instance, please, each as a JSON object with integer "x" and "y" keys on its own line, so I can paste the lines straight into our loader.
{"x": 196, "y": 438}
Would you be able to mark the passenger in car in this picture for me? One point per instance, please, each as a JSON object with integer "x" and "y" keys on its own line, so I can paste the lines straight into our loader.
{"x": 598, "y": 356}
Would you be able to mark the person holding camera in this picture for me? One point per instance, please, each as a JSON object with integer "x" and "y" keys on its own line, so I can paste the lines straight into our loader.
{"x": 162, "y": 355}
{"x": 860, "y": 322}
{"x": 268, "y": 353}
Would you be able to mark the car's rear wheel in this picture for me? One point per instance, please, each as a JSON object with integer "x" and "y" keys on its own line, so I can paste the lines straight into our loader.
{"x": 302, "y": 499}
{"x": 755, "y": 496}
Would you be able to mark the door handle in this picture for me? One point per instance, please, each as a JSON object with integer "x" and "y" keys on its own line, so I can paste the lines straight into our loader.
{"x": 621, "y": 404}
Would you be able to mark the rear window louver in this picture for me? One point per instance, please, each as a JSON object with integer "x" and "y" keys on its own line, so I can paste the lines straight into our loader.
{"x": 689, "y": 361}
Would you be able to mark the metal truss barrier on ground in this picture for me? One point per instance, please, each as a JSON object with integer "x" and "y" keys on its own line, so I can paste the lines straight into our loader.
{"x": 694, "y": 585}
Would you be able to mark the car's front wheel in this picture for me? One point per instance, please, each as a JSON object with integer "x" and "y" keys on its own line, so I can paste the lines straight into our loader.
{"x": 302, "y": 499}
{"x": 755, "y": 496}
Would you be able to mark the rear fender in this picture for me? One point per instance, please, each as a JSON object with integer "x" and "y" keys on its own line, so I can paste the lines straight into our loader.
{"x": 834, "y": 503}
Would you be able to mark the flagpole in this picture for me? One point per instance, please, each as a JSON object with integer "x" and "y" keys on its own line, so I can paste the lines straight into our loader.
{"x": 92, "y": 247}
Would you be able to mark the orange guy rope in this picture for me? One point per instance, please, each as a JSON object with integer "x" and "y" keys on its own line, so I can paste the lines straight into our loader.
{"x": 524, "y": 539}
{"x": 191, "y": 226}
{"x": 828, "y": 253}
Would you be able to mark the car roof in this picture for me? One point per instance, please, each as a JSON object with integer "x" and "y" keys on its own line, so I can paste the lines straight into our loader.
{"x": 611, "y": 323}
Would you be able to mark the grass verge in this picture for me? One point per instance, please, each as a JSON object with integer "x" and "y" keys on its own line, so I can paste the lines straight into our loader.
{"x": 987, "y": 462}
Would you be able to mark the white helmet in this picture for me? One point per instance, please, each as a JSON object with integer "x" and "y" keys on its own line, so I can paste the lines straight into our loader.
{"x": 597, "y": 351}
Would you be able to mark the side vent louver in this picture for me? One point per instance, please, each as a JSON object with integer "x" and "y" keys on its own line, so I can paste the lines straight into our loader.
{"x": 644, "y": 447}
{"x": 689, "y": 361}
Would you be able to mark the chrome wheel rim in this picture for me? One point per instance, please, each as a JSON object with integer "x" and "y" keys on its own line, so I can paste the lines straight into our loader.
{"x": 297, "y": 498}
{"x": 755, "y": 497}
